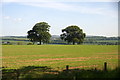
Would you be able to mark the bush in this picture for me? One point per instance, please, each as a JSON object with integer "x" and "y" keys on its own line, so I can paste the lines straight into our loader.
{"x": 19, "y": 43}
{"x": 29, "y": 43}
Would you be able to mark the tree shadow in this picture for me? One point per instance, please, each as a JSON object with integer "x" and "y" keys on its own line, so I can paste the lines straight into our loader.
{"x": 47, "y": 73}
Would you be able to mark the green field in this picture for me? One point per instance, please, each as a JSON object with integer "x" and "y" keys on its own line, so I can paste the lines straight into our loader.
{"x": 58, "y": 56}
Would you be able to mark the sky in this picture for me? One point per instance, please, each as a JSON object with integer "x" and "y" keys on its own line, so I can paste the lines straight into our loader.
{"x": 95, "y": 17}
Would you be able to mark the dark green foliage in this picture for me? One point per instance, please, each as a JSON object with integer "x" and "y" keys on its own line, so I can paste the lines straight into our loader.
{"x": 29, "y": 43}
{"x": 39, "y": 33}
{"x": 73, "y": 34}
{"x": 41, "y": 27}
{"x": 47, "y": 73}
{"x": 32, "y": 35}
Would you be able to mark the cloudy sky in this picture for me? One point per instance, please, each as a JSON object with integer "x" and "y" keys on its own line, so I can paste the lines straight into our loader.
{"x": 95, "y": 17}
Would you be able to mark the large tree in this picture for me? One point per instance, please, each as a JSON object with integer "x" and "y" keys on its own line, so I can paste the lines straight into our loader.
{"x": 73, "y": 34}
{"x": 39, "y": 33}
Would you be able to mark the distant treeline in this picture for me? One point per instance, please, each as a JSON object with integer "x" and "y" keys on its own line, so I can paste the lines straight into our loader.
{"x": 102, "y": 40}
{"x": 97, "y": 40}
{"x": 55, "y": 39}
{"x": 14, "y": 40}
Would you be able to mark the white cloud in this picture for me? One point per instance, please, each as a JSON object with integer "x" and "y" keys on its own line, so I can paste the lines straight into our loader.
{"x": 75, "y": 8}
{"x": 68, "y": 7}
{"x": 18, "y": 19}
{"x": 12, "y": 19}
{"x": 6, "y": 17}
{"x": 60, "y": 0}
{"x": 55, "y": 5}
{"x": 99, "y": 11}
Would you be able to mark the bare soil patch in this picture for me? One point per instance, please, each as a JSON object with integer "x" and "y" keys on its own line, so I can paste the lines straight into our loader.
{"x": 52, "y": 59}
{"x": 24, "y": 56}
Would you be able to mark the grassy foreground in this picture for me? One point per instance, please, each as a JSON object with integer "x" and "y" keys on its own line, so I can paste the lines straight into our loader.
{"x": 46, "y": 73}
{"x": 58, "y": 56}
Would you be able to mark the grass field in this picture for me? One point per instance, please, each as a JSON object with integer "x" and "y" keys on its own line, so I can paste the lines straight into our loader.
{"x": 58, "y": 56}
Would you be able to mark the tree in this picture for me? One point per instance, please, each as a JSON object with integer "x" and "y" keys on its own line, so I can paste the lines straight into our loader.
{"x": 73, "y": 34}
{"x": 39, "y": 33}
{"x": 32, "y": 35}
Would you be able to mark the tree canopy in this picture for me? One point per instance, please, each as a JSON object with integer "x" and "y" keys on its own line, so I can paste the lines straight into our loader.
{"x": 39, "y": 33}
{"x": 73, "y": 34}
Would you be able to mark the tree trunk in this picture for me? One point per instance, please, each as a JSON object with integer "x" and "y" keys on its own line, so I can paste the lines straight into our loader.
{"x": 73, "y": 43}
{"x": 40, "y": 42}
{"x": 79, "y": 43}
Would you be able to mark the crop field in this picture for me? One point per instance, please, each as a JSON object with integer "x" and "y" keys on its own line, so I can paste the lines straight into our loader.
{"x": 58, "y": 56}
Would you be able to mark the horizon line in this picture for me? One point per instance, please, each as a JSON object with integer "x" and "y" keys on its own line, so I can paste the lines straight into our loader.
{"x": 59, "y": 35}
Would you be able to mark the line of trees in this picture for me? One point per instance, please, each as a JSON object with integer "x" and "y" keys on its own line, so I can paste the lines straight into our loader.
{"x": 40, "y": 33}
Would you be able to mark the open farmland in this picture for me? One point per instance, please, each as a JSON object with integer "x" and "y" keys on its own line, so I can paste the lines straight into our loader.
{"x": 58, "y": 56}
